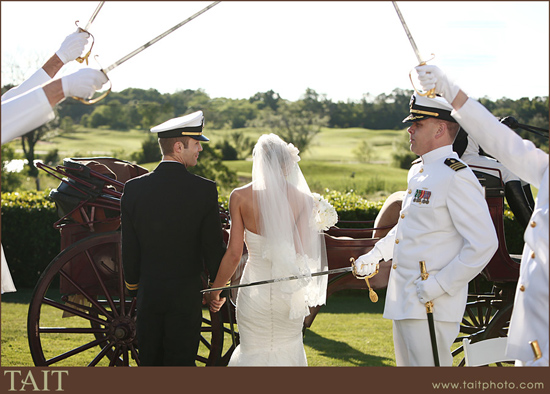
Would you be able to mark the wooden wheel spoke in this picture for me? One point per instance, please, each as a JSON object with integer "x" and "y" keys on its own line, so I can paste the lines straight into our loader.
{"x": 114, "y": 357}
{"x": 72, "y": 330}
{"x": 85, "y": 294}
{"x": 134, "y": 352}
{"x": 72, "y": 310}
{"x": 77, "y": 350}
{"x": 100, "y": 355}
{"x": 101, "y": 283}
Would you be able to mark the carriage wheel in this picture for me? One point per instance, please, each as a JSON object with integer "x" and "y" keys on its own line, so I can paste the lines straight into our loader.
{"x": 485, "y": 317}
{"x": 94, "y": 325}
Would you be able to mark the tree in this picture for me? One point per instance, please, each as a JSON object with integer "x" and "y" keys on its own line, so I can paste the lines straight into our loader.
{"x": 363, "y": 151}
{"x": 10, "y": 180}
{"x": 292, "y": 123}
{"x": 210, "y": 166}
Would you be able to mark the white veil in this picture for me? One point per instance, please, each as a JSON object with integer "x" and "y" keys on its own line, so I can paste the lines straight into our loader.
{"x": 290, "y": 239}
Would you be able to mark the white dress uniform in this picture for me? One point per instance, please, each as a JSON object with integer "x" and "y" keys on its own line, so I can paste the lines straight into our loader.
{"x": 25, "y": 107}
{"x": 530, "y": 314}
{"x": 471, "y": 156}
{"x": 445, "y": 222}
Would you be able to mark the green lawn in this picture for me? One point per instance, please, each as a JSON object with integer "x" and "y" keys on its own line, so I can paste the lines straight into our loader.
{"x": 329, "y": 163}
{"x": 348, "y": 331}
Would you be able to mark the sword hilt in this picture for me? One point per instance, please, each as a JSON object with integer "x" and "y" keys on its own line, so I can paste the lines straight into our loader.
{"x": 95, "y": 100}
{"x": 430, "y": 93}
{"x": 424, "y": 275}
{"x": 81, "y": 59}
{"x": 536, "y": 349}
{"x": 372, "y": 294}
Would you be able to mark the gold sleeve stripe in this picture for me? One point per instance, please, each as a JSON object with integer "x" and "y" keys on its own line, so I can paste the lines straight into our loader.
{"x": 131, "y": 286}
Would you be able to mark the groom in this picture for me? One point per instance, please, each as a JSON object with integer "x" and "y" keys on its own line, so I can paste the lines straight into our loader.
{"x": 170, "y": 228}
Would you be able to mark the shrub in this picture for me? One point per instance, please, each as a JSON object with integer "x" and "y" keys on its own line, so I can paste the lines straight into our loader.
{"x": 30, "y": 242}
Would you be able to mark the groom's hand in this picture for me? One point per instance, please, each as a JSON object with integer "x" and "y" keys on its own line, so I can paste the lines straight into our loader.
{"x": 214, "y": 301}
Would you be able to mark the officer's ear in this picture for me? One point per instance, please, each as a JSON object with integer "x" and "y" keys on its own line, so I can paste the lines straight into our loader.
{"x": 442, "y": 130}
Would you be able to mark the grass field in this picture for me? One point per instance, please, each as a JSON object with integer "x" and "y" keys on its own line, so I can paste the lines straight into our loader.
{"x": 348, "y": 331}
{"x": 329, "y": 163}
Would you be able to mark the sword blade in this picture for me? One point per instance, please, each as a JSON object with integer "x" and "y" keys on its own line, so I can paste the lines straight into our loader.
{"x": 294, "y": 277}
{"x": 94, "y": 15}
{"x": 411, "y": 39}
{"x": 158, "y": 38}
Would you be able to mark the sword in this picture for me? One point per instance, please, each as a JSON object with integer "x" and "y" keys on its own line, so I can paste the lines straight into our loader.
{"x": 140, "y": 49}
{"x": 158, "y": 38}
{"x": 372, "y": 294}
{"x": 81, "y": 59}
{"x": 421, "y": 62}
{"x": 293, "y": 277}
{"x": 429, "y": 312}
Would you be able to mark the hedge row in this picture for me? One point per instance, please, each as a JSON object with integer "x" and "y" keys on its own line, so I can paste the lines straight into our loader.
{"x": 30, "y": 242}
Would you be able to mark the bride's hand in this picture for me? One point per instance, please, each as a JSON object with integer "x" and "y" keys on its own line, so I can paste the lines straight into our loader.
{"x": 215, "y": 303}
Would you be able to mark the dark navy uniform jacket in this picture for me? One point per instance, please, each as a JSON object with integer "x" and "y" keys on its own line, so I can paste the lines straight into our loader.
{"x": 171, "y": 231}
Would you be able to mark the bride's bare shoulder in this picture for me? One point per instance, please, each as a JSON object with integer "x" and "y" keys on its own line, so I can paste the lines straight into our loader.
{"x": 242, "y": 193}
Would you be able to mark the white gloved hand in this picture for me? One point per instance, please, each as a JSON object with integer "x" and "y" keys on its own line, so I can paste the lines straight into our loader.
{"x": 72, "y": 46}
{"x": 431, "y": 77}
{"x": 428, "y": 290}
{"x": 83, "y": 83}
{"x": 366, "y": 264}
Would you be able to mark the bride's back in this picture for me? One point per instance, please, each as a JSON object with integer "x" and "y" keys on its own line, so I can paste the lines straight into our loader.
{"x": 248, "y": 208}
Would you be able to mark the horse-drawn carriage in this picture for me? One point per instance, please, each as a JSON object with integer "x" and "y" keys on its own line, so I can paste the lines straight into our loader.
{"x": 93, "y": 319}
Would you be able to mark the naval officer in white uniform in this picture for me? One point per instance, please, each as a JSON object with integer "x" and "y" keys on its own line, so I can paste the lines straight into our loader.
{"x": 30, "y": 105}
{"x": 529, "y": 321}
{"x": 445, "y": 222}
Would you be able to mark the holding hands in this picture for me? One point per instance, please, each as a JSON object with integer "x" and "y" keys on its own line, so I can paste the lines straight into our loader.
{"x": 213, "y": 300}
{"x": 428, "y": 290}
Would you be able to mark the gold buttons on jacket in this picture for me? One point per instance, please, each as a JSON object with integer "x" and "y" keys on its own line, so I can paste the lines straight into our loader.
{"x": 421, "y": 170}
{"x": 532, "y": 255}
{"x": 402, "y": 216}
{"x": 522, "y": 288}
{"x": 395, "y": 266}
{"x": 396, "y": 241}
{"x": 409, "y": 191}
{"x": 533, "y": 224}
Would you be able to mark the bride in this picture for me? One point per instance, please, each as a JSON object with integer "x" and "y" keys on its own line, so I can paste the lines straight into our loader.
{"x": 274, "y": 215}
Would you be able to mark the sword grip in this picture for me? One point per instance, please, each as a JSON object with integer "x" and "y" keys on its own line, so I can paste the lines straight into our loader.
{"x": 536, "y": 349}
{"x": 424, "y": 275}
{"x": 101, "y": 97}
{"x": 81, "y": 59}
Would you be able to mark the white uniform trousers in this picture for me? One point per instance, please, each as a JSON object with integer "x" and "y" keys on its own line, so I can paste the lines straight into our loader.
{"x": 413, "y": 346}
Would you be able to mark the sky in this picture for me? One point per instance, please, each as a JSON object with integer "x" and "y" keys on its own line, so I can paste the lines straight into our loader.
{"x": 343, "y": 50}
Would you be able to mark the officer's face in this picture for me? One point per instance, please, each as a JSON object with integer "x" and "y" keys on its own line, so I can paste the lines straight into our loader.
{"x": 422, "y": 135}
{"x": 190, "y": 154}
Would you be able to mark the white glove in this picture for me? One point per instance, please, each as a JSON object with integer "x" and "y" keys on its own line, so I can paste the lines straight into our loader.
{"x": 428, "y": 290}
{"x": 366, "y": 264}
{"x": 83, "y": 83}
{"x": 72, "y": 46}
{"x": 431, "y": 77}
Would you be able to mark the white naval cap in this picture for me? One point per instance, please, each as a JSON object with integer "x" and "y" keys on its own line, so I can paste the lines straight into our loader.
{"x": 188, "y": 125}
{"x": 422, "y": 107}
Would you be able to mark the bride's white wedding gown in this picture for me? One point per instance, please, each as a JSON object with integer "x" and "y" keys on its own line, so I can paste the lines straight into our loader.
{"x": 268, "y": 337}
